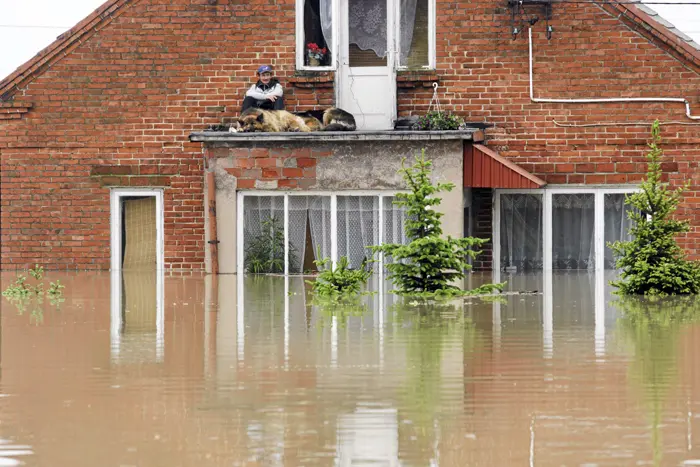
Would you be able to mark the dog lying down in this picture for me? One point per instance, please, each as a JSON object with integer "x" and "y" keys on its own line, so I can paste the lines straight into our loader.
{"x": 274, "y": 121}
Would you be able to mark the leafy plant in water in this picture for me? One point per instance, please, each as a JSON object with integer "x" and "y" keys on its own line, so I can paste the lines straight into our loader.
{"x": 436, "y": 120}
{"x": 428, "y": 265}
{"x": 652, "y": 263}
{"x": 653, "y": 325}
{"x": 23, "y": 295}
{"x": 341, "y": 280}
{"x": 265, "y": 254}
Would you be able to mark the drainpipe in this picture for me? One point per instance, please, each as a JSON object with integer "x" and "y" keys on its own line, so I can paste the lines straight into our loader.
{"x": 602, "y": 101}
{"x": 213, "y": 241}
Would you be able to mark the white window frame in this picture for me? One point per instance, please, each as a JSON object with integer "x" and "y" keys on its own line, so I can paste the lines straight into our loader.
{"x": 301, "y": 47}
{"x": 431, "y": 36}
{"x": 116, "y": 194}
{"x": 599, "y": 228}
{"x": 334, "y": 220}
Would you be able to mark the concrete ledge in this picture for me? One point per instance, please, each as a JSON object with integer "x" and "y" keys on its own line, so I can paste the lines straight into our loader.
{"x": 470, "y": 134}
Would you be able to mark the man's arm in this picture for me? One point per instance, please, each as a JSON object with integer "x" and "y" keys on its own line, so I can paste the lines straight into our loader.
{"x": 255, "y": 94}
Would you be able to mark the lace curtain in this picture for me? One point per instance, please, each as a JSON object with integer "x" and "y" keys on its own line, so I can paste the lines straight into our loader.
{"x": 312, "y": 213}
{"x": 521, "y": 232}
{"x": 368, "y": 25}
{"x": 326, "y": 17}
{"x": 617, "y": 224}
{"x": 358, "y": 227}
{"x": 573, "y": 242}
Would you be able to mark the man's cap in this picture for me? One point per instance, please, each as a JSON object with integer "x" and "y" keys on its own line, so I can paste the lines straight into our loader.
{"x": 264, "y": 69}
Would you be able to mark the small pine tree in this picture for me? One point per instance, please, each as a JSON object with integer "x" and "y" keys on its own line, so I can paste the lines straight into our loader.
{"x": 652, "y": 263}
{"x": 429, "y": 263}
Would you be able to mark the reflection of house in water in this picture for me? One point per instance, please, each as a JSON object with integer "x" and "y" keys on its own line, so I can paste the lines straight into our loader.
{"x": 137, "y": 316}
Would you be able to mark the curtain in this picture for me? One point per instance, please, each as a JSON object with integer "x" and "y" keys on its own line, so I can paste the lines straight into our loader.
{"x": 326, "y": 14}
{"x": 367, "y": 24}
{"x": 573, "y": 231}
{"x": 521, "y": 232}
{"x": 320, "y": 223}
{"x": 358, "y": 227}
{"x": 407, "y": 21}
{"x": 617, "y": 224}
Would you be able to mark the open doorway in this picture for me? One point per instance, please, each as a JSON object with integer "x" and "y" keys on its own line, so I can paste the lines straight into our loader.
{"x": 136, "y": 229}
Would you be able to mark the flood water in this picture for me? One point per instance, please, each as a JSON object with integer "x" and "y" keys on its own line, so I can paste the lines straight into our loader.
{"x": 139, "y": 370}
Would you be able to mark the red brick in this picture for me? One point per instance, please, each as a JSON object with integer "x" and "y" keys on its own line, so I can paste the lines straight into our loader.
{"x": 306, "y": 162}
{"x": 293, "y": 173}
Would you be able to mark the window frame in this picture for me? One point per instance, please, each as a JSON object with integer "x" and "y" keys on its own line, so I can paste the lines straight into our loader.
{"x": 240, "y": 228}
{"x": 599, "y": 193}
{"x": 432, "y": 26}
{"x": 299, "y": 39}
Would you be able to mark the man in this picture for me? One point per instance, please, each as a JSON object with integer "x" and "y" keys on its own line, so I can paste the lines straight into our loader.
{"x": 267, "y": 93}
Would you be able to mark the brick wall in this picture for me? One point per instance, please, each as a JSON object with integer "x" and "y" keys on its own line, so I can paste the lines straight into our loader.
{"x": 136, "y": 85}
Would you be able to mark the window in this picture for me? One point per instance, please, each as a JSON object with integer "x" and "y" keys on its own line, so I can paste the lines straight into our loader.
{"x": 286, "y": 233}
{"x": 315, "y": 25}
{"x": 558, "y": 228}
{"x": 416, "y": 34}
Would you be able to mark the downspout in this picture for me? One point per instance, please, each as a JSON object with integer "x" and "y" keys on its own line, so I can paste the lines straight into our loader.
{"x": 213, "y": 240}
{"x": 602, "y": 101}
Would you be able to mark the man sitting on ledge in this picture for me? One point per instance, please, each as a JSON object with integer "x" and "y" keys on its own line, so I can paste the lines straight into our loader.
{"x": 266, "y": 94}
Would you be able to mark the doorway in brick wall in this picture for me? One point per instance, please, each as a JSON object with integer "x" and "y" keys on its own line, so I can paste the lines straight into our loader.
{"x": 136, "y": 224}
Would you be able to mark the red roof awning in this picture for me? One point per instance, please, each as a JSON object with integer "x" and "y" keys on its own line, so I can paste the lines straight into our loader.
{"x": 484, "y": 168}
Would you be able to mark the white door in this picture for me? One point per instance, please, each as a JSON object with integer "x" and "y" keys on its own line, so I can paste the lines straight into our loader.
{"x": 366, "y": 81}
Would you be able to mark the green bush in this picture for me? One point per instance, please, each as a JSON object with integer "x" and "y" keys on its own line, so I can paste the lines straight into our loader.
{"x": 652, "y": 263}
{"x": 340, "y": 280}
{"x": 435, "y": 120}
{"x": 429, "y": 263}
{"x": 265, "y": 253}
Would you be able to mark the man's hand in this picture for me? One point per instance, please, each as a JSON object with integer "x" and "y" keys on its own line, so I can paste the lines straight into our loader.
{"x": 272, "y": 98}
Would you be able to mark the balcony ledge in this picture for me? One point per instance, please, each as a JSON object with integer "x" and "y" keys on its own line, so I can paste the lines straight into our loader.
{"x": 469, "y": 134}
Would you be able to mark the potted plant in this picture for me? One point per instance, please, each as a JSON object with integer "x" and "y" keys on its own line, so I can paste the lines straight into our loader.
{"x": 316, "y": 54}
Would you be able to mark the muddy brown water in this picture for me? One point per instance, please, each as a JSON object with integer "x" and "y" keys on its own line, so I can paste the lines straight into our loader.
{"x": 137, "y": 370}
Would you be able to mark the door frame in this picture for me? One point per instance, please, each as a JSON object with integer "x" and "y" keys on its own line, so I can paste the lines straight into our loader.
{"x": 115, "y": 224}
{"x": 343, "y": 47}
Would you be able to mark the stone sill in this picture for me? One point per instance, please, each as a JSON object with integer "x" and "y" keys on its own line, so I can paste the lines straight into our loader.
{"x": 471, "y": 134}
{"x": 313, "y": 79}
{"x": 416, "y": 78}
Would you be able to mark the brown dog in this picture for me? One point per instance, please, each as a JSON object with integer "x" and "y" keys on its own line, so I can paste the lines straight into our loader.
{"x": 272, "y": 121}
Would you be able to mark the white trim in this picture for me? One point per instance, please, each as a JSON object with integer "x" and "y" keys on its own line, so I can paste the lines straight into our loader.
{"x": 547, "y": 231}
{"x": 116, "y": 224}
{"x": 496, "y": 231}
{"x": 239, "y": 234}
{"x": 334, "y": 230}
{"x": 599, "y": 229}
{"x": 286, "y": 239}
{"x": 299, "y": 40}
{"x": 599, "y": 191}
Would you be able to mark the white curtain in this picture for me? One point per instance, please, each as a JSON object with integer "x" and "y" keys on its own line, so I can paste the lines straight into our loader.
{"x": 320, "y": 223}
{"x": 326, "y": 14}
{"x": 407, "y": 22}
{"x": 394, "y": 218}
{"x": 617, "y": 224}
{"x": 367, "y": 25}
{"x": 521, "y": 232}
{"x": 573, "y": 242}
{"x": 358, "y": 227}
{"x": 256, "y": 211}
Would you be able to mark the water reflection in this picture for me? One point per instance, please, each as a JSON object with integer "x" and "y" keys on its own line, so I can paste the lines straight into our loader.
{"x": 137, "y": 316}
{"x": 247, "y": 370}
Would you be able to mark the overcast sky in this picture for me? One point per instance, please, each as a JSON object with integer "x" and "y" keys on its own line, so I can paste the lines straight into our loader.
{"x": 27, "y": 26}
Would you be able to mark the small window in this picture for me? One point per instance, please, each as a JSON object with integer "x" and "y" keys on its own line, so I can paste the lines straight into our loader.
{"x": 415, "y": 34}
{"x": 315, "y": 31}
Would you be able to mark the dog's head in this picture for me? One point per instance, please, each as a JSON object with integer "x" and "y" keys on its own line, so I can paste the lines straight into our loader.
{"x": 235, "y": 127}
{"x": 251, "y": 122}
